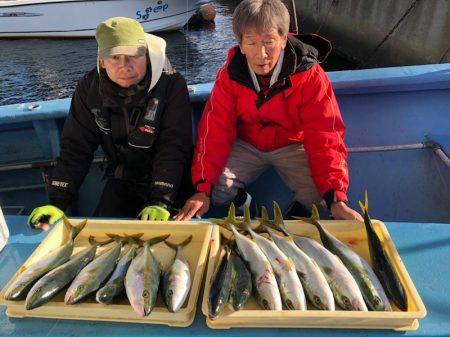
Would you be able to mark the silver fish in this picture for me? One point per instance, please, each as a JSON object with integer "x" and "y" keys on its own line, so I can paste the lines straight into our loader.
{"x": 344, "y": 287}
{"x": 52, "y": 282}
{"x": 314, "y": 282}
{"x": 291, "y": 289}
{"x": 93, "y": 275}
{"x": 25, "y": 280}
{"x": 176, "y": 280}
{"x": 115, "y": 285}
{"x": 142, "y": 279}
{"x": 363, "y": 274}
{"x": 264, "y": 282}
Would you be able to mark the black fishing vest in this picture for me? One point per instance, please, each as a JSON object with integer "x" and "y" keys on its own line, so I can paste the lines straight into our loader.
{"x": 130, "y": 132}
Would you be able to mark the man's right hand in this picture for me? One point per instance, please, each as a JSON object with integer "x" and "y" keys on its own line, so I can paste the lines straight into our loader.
{"x": 197, "y": 205}
{"x": 45, "y": 216}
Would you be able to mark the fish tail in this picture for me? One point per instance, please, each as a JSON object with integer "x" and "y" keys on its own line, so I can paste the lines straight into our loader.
{"x": 229, "y": 220}
{"x": 93, "y": 241}
{"x": 157, "y": 239}
{"x": 314, "y": 219}
{"x": 278, "y": 220}
{"x": 181, "y": 244}
{"x": 365, "y": 207}
{"x": 78, "y": 228}
{"x": 73, "y": 230}
{"x": 264, "y": 219}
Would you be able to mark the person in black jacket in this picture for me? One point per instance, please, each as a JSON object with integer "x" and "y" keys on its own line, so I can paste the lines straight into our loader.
{"x": 137, "y": 108}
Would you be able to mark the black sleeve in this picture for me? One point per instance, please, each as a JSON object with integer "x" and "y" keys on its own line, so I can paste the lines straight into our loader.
{"x": 173, "y": 145}
{"x": 79, "y": 140}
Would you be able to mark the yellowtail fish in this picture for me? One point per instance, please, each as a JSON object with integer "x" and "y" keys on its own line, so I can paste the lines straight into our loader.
{"x": 93, "y": 275}
{"x": 25, "y": 280}
{"x": 363, "y": 274}
{"x": 265, "y": 285}
{"x": 313, "y": 280}
{"x": 219, "y": 289}
{"x": 382, "y": 264}
{"x": 344, "y": 287}
{"x": 143, "y": 277}
{"x": 52, "y": 282}
{"x": 176, "y": 280}
{"x": 115, "y": 286}
{"x": 291, "y": 289}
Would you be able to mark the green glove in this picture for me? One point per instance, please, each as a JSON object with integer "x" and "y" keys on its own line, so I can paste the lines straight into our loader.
{"x": 154, "y": 213}
{"x": 45, "y": 216}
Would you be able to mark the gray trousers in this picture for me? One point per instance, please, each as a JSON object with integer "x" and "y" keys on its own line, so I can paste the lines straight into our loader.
{"x": 246, "y": 164}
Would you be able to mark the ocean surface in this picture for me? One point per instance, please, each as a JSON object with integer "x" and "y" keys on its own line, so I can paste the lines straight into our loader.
{"x": 42, "y": 69}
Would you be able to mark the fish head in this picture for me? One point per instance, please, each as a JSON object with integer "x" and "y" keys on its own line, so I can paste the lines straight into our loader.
{"x": 106, "y": 294}
{"x": 346, "y": 304}
{"x": 74, "y": 296}
{"x": 33, "y": 299}
{"x": 358, "y": 305}
{"x": 318, "y": 303}
{"x": 376, "y": 304}
{"x": 269, "y": 296}
{"x": 146, "y": 302}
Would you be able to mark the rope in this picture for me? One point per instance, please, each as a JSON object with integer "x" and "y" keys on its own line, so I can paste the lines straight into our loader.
{"x": 388, "y": 35}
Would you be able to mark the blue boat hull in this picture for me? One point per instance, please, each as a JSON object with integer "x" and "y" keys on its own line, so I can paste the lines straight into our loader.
{"x": 398, "y": 127}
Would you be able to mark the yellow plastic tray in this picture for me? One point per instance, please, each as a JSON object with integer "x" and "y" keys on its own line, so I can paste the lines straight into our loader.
{"x": 196, "y": 253}
{"x": 353, "y": 234}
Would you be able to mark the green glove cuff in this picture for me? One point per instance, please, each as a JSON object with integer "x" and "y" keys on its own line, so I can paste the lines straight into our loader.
{"x": 47, "y": 214}
{"x": 154, "y": 213}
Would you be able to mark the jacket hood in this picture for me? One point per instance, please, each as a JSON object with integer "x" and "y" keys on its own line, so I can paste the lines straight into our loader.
{"x": 301, "y": 53}
{"x": 156, "y": 47}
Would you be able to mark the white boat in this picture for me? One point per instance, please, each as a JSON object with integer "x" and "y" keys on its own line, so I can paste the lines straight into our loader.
{"x": 73, "y": 18}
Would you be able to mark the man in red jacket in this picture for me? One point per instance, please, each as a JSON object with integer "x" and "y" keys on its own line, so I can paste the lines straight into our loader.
{"x": 271, "y": 104}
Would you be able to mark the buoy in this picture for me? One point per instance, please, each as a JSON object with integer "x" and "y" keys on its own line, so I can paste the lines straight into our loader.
{"x": 208, "y": 12}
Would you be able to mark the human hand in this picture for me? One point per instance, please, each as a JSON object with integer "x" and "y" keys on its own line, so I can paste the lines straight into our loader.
{"x": 341, "y": 211}
{"x": 154, "y": 213}
{"x": 45, "y": 216}
{"x": 197, "y": 205}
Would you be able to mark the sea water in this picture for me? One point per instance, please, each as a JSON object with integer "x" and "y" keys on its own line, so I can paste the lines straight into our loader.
{"x": 43, "y": 69}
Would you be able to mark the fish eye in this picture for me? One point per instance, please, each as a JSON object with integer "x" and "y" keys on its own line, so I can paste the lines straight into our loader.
{"x": 346, "y": 301}
{"x": 265, "y": 304}
{"x": 317, "y": 300}
{"x": 378, "y": 301}
{"x": 145, "y": 294}
{"x": 289, "y": 304}
{"x": 170, "y": 292}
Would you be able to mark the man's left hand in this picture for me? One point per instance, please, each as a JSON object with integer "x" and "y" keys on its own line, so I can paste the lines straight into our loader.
{"x": 154, "y": 213}
{"x": 341, "y": 211}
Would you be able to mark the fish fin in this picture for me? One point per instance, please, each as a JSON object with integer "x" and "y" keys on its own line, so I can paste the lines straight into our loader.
{"x": 247, "y": 217}
{"x": 365, "y": 207}
{"x": 314, "y": 219}
{"x": 157, "y": 239}
{"x": 181, "y": 244}
{"x": 264, "y": 214}
{"x": 93, "y": 241}
{"x": 78, "y": 228}
{"x": 133, "y": 238}
{"x": 278, "y": 220}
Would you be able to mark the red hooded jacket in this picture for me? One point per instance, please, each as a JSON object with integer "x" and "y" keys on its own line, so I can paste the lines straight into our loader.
{"x": 299, "y": 108}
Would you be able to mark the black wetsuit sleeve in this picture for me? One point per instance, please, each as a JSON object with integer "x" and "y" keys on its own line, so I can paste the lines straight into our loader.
{"x": 79, "y": 140}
